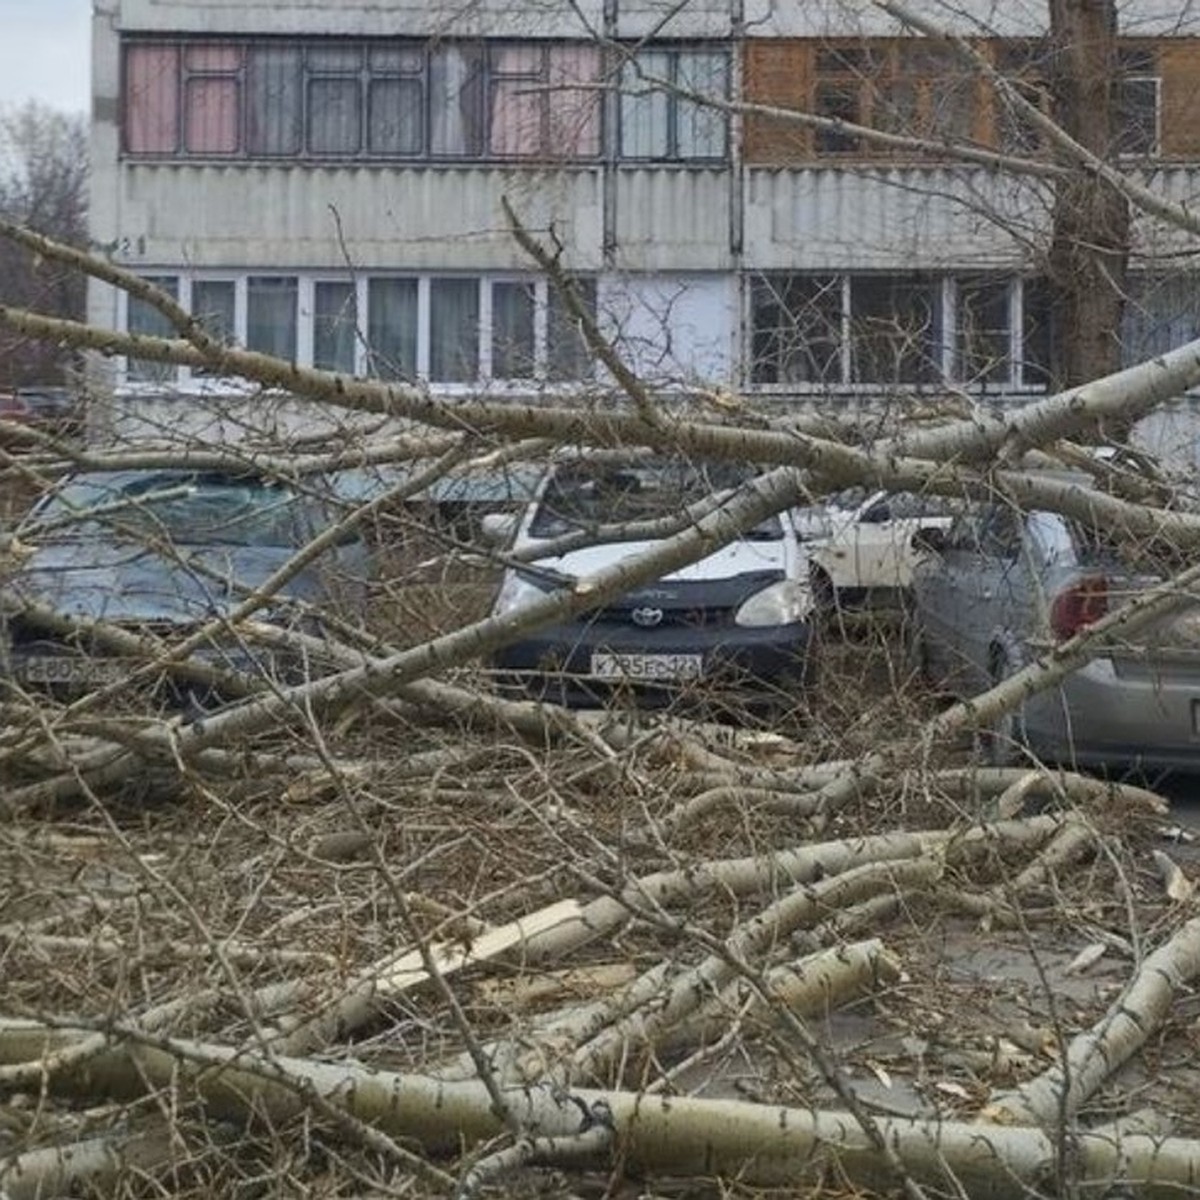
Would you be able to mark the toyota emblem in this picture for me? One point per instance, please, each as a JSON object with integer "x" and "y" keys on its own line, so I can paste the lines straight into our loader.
{"x": 647, "y": 618}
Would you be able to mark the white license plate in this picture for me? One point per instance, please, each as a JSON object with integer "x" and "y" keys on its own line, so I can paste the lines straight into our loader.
{"x": 647, "y": 666}
{"x": 68, "y": 669}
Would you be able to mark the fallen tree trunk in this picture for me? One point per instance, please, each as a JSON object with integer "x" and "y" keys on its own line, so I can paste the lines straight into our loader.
{"x": 1141, "y": 1008}
{"x": 757, "y": 1144}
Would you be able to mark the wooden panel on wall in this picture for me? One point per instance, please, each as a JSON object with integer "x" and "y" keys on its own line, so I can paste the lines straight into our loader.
{"x": 777, "y": 72}
{"x": 1179, "y": 62}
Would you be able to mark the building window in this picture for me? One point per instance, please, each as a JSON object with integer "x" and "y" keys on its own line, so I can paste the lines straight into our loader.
{"x": 274, "y": 105}
{"x": 895, "y": 329}
{"x": 906, "y": 86}
{"x": 1135, "y": 97}
{"x": 335, "y": 326}
{"x": 1162, "y": 313}
{"x": 271, "y": 315}
{"x": 145, "y": 319}
{"x": 339, "y": 99}
{"x": 821, "y": 330}
{"x": 659, "y": 124}
{"x": 917, "y": 88}
{"x": 453, "y": 330}
{"x": 796, "y": 323}
{"x": 445, "y": 329}
{"x": 543, "y": 101}
{"x": 983, "y": 330}
{"x": 1023, "y": 64}
{"x": 214, "y": 304}
{"x": 513, "y": 309}
{"x": 152, "y": 100}
{"x": 392, "y": 325}
{"x": 568, "y": 356}
{"x": 1137, "y": 101}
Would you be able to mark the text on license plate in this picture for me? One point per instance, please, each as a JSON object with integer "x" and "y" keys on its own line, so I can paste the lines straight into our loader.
{"x": 647, "y": 666}
{"x": 67, "y": 669}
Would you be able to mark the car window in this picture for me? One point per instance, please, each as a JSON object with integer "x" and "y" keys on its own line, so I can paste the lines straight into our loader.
{"x": 964, "y": 532}
{"x": 1000, "y": 531}
{"x": 193, "y": 510}
{"x": 587, "y": 495}
{"x": 1109, "y": 547}
{"x": 993, "y": 530}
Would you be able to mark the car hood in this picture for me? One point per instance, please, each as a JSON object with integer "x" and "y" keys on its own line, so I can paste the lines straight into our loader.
{"x": 116, "y": 581}
{"x": 743, "y": 557}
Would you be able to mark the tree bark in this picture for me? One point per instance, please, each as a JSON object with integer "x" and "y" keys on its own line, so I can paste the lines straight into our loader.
{"x": 1089, "y": 246}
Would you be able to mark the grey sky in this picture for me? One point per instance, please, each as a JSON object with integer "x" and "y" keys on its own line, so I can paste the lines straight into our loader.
{"x": 44, "y": 52}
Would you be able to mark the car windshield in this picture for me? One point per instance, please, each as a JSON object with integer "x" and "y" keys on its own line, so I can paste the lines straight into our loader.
{"x": 194, "y": 510}
{"x": 588, "y": 495}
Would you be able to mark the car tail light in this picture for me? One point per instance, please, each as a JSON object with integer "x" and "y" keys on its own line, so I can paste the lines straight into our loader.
{"x": 1078, "y": 606}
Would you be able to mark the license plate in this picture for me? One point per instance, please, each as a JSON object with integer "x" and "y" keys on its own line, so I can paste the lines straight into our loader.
{"x": 68, "y": 669}
{"x": 647, "y": 666}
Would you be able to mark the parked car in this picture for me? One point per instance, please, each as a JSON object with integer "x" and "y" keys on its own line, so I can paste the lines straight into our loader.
{"x": 860, "y": 544}
{"x": 735, "y": 623}
{"x": 999, "y": 587}
{"x": 52, "y": 410}
{"x": 163, "y": 552}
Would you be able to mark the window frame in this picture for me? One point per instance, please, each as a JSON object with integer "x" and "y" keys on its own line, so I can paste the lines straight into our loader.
{"x": 945, "y": 342}
{"x": 582, "y": 109}
{"x": 676, "y": 105}
{"x": 866, "y": 72}
{"x": 417, "y": 311}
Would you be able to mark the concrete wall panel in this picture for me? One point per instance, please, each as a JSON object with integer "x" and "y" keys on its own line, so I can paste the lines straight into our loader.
{"x": 672, "y": 219}
{"x": 321, "y": 216}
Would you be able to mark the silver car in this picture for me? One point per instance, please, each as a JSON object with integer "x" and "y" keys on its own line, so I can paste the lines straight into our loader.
{"x": 164, "y": 552}
{"x": 1000, "y": 586}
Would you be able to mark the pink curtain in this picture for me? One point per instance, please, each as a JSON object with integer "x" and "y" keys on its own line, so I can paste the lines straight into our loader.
{"x": 212, "y": 116}
{"x": 151, "y": 99}
{"x": 211, "y": 99}
{"x": 518, "y": 102}
{"x": 574, "y": 101}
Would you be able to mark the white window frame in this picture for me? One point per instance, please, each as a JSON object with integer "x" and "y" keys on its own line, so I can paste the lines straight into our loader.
{"x": 188, "y": 378}
{"x": 948, "y": 292}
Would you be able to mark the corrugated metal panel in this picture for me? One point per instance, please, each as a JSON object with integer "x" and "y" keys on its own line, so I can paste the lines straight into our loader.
{"x": 862, "y": 219}
{"x": 284, "y": 215}
{"x": 1000, "y": 18}
{"x": 536, "y": 18}
{"x": 672, "y": 219}
{"x": 497, "y": 18}
{"x": 670, "y": 19}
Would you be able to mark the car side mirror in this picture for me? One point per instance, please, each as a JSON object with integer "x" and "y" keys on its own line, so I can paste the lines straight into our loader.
{"x": 498, "y": 529}
{"x": 930, "y": 539}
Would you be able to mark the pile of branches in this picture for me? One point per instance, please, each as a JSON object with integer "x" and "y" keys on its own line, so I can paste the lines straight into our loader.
{"x": 383, "y": 931}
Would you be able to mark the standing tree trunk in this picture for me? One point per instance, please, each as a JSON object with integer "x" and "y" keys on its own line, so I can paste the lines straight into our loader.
{"x": 1089, "y": 250}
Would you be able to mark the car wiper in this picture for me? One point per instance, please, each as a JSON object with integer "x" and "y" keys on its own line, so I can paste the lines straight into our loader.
{"x": 539, "y": 573}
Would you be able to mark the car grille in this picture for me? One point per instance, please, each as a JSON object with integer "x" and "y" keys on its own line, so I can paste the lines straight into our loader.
{"x": 672, "y": 618}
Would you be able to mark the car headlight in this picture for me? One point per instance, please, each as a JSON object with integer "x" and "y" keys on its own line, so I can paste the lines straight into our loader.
{"x": 783, "y": 603}
{"x": 516, "y": 591}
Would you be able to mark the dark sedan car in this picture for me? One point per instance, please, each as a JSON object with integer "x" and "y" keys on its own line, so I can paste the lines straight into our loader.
{"x": 733, "y": 625}
{"x": 162, "y": 553}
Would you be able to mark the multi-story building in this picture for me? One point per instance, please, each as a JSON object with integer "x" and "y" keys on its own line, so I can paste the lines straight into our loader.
{"x": 324, "y": 182}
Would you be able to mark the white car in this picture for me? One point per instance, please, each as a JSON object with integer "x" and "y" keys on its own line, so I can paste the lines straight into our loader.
{"x": 860, "y": 545}
{"x": 737, "y": 620}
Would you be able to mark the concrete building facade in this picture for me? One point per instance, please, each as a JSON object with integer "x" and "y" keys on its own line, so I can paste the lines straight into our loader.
{"x": 324, "y": 181}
